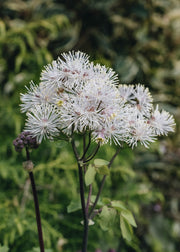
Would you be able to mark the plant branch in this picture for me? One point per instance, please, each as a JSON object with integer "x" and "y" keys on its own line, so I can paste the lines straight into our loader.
{"x": 75, "y": 150}
{"x": 81, "y": 183}
{"x": 87, "y": 147}
{"x": 88, "y": 199}
{"x": 36, "y": 204}
{"x": 93, "y": 154}
{"x": 102, "y": 184}
{"x": 85, "y": 216}
{"x": 97, "y": 196}
{"x": 38, "y": 217}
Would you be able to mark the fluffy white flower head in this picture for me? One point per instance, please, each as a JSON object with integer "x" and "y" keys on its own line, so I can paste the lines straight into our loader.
{"x": 43, "y": 122}
{"x": 75, "y": 95}
{"x": 162, "y": 122}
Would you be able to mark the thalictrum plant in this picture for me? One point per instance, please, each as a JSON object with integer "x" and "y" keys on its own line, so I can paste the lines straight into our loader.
{"x": 77, "y": 98}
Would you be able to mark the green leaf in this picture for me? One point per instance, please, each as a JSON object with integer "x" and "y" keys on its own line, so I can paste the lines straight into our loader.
{"x": 107, "y": 218}
{"x": 129, "y": 217}
{"x": 106, "y": 201}
{"x": 4, "y": 249}
{"x": 118, "y": 205}
{"x": 103, "y": 170}
{"x": 126, "y": 229}
{"x": 74, "y": 206}
{"x": 90, "y": 175}
{"x": 100, "y": 162}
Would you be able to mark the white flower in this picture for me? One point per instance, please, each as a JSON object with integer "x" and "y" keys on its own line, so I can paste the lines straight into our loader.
{"x": 140, "y": 131}
{"x": 113, "y": 131}
{"x": 43, "y": 122}
{"x": 105, "y": 74}
{"x": 50, "y": 76}
{"x": 75, "y": 95}
{"x": 142, "y": 100}
{"x": 92, "y": 107}
{"x": 36, "y": 95}
{"x": 126, "y": 91}
{"x": 81, "y": 113}
{"x": 74, "y": 69}
{"x": 162, "y": 122}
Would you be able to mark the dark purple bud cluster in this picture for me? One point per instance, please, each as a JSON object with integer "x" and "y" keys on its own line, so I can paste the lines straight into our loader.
{"x": 25, "y": 140}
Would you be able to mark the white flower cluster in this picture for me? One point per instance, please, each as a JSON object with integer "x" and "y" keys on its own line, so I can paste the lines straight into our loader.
{"x": 75, "y": 95}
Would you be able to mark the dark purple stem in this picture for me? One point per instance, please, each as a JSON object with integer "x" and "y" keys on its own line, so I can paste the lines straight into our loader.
{"x": 92, "y": 155}
{"x": 85, "y": 148}
{"x": 81, "y": 183}
{"x": 36, "y": 204}
{"x": 102, "y": 184}
{"x": 88, "y": 199}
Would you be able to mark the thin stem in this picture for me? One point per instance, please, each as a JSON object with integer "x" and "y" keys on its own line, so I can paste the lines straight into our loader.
{"x": 84, "y": 142}
{"x": 97, "y": 196}
{"x": 85, "y": 216}
{"x": 81, "y": 183}
{"x": 75, "y": 150}
{"x": 93, "y": 154}
{"x": 88, "y": 199}
{"x": 38, "y": 217}
{"x": 87, "y": 147}
{"x": 27, "y": 154}
{"x": 36, "y": 204}
{"x": 113, "y": 157}
{"x": 102, "y": 184}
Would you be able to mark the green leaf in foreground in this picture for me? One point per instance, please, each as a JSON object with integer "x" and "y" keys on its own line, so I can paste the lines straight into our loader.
{"x": 74, "y": 206}
{"x": 100, "y": 162}
{"x": 103, "y": 170}
{"x": 126, "y": 229}
{"x": 129, "y": 217}
{"x": 107, "y": 218}
{"x": 90, "y": 175}
{"x": 118, "y": 205}
{"x": 4, "y": 249}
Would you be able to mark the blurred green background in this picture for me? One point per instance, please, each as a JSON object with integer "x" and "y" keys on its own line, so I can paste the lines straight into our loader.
{"x": 140, "y": 40}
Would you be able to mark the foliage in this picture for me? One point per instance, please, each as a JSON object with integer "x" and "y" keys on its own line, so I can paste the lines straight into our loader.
{"x": 140, "y": 40}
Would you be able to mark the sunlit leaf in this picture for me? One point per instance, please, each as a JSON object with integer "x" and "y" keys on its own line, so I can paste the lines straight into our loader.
{"x": 74, "y": 206}
{"x": 126, "y": 229}
{"x": 4, "y": 249}
{"x": 90, "y": 175}
{"x": 103, "y": 170}
{"x": 119, "y": 205}
{"x": 107, "y": 218}
{"x": 100, "y": 162}
{"x": 129, "y": 217}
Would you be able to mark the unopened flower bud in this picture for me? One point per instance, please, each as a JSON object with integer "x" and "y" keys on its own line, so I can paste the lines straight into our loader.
{"x": 25, "y": 140}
